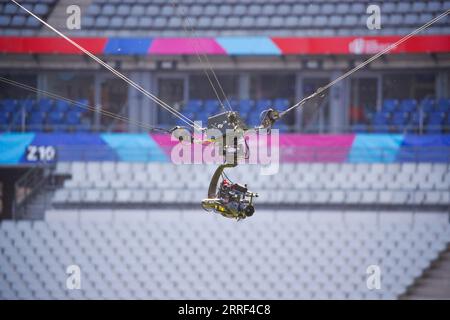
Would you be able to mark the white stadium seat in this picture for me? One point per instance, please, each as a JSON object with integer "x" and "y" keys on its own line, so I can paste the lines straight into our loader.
{"x": 176, "y": 255}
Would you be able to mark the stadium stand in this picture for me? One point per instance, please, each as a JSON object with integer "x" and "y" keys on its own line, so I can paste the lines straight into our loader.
{"x": 42, "y": 115}
{"x": 190, "y": 255}
{"x": 296, "y": 184}
{"x": 299, "y": 18}
{"x": 13, "y": 20}
{"x": 286, "y": 17}
{"x": 407, "y": 115}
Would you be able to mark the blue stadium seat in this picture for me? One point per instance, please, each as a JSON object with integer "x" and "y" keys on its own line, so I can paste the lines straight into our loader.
{"x": 61, "y": 106}
{"x": 18, "y": 119}
{"x": 211, "y": 106}
{"x": 45, "y": 105}
{"x": 443, "y": 105}
{"x": 10, "y": 8}
{"x": 408, "y": 105}
{"x": 131, "y": 22}
{"x": 389, "y": 105}
{"x": 41, "y": 9}
{"x": 36, "y": 121}
{"x": 9, "y": 105}
{"x": 193, "y": 105}
{"x": 263, "y": 104}
{"x": 4, "y": 119}
{"x": 73, "y": 117}
{"x": 281, "y": 104}
{"x": 116, "y": 22}
{"x": 419, "y": 6}
{"x": 436, "y": 118}
{"x": 253, "y": 118}
{"x": 427, "y": 105}
{"x": 399, "y": 118}
{"x": 18, "y": 21}
{"x": 55, "y": 117}
{"x": 107, "y": 10}
{"x": 84, "y": 102}
{"x": 417, "y": 118}
{"x": 233, "y": 103}
{"x": 380, "y": 121}
{"x": 93, "y": 9}
{"x": 27, "y": 104}
{"x": 4, "y": 20}
{"x": 32, "y": 22}
{"x": 434, "y": 6}
{"x": 380, "y": 117}
{"x": 101, "y": 22}
{"x": 245, "y": 105}
{"x": 123, "y": 9}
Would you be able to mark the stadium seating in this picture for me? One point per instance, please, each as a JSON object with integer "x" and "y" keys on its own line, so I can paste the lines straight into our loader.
{"x": 195, "y": 255}
{"x": 324, "y": 18}
{"x": 41, "y": 115}
{"x": 96, "y": 183}
{"x": 409, "y": 115}
{"x": 272, "y": 18}
{"x": 250, "y": 110}
{"x": 14, "y": 20}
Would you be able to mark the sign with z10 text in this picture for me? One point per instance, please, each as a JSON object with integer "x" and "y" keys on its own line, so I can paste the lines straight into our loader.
{"x": 40, "y": 154}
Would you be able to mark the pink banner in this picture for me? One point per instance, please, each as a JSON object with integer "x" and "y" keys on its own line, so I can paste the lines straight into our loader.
{"x": 178, "y": 46}
{"x": 315, "y": 147}
{"x": 295, "y": 147}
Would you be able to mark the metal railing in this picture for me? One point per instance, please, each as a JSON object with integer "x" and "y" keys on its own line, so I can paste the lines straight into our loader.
{"x": 28, "y": 186}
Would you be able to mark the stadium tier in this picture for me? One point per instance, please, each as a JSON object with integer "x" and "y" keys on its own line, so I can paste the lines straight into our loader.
{"x": 190, "y": 255}
{"x": 273, "y": 18}
{"x": 42, "y": 115}
{"x": 108, "y": 183}
{"x": 15, "y": 21}
{"x": 326, "y": 18}
{"x": 408, "y": 115}
{"x": 263, "y": 54}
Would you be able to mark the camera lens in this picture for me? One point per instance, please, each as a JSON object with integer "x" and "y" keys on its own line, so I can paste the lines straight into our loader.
{"x": 249, "y": 210}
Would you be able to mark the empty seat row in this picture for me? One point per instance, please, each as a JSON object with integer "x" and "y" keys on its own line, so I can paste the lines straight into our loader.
{"x": 258, "y": 9}
{"x": 406, "y": 177}
{"x": 174, "y": 255}
{"x": 283, "y": 197}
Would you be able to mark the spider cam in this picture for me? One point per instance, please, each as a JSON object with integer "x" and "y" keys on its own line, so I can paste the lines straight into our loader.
{"x": 231, "y": 200}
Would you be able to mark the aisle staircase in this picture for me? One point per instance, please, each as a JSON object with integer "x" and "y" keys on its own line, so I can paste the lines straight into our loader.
{"x": 434, "y": 282}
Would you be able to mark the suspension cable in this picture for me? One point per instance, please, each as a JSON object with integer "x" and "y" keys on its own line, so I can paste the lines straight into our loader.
{"x": 81, "y": 105}
{"x": 202, "y": 57}
{"x": 154, "y": 98}
{"x": 365, "y": 63}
